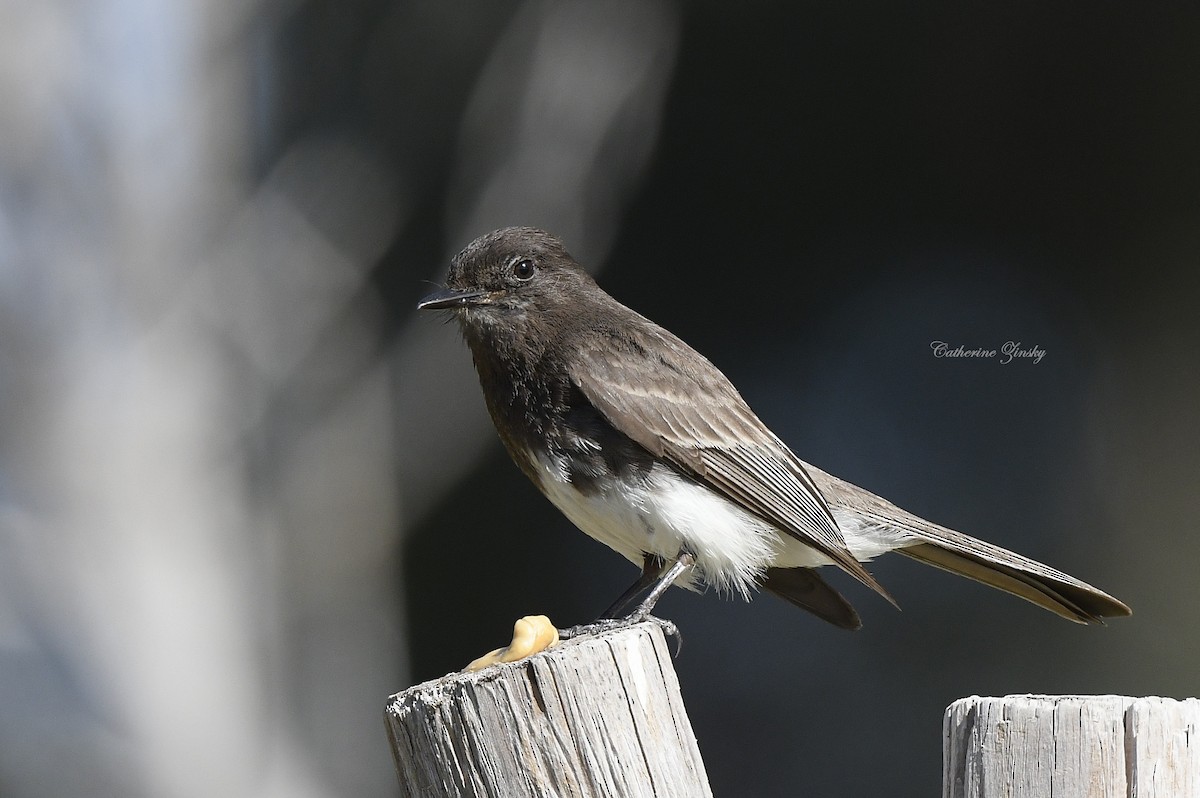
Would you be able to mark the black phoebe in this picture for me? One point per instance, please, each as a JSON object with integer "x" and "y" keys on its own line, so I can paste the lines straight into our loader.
{"x": 649, "y": 449}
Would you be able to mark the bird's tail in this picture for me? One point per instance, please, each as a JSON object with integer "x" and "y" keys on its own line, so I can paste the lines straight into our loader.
{"x": 1046, "y": 587}
{"x": 964, "y": 555}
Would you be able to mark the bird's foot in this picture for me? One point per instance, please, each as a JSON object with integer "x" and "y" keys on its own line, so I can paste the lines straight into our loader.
{"x": 613, "y": 624}
{"x": 593, "y": 628}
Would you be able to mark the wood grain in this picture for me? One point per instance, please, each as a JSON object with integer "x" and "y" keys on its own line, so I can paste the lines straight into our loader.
{"x": 1027, "y": 746}
{"x": 597, "y": 716}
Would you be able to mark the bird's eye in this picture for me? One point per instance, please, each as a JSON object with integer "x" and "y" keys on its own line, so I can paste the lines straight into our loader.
{"x": 523, "y": 269}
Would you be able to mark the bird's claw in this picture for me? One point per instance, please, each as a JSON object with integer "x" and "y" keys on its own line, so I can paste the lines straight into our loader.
{"x": 614, "y": 624}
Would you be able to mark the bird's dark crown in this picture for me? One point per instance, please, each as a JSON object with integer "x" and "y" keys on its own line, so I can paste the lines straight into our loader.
{"x": 516, "y": 266}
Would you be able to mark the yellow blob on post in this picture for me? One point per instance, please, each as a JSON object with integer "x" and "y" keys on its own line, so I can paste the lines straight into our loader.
{"x": 531, "y": 634}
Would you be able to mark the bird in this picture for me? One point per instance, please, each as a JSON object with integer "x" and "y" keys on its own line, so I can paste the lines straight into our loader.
{"x": 648, "y": 448}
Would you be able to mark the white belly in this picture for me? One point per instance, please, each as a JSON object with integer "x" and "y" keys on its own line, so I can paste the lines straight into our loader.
{"x": 670, "y": 514}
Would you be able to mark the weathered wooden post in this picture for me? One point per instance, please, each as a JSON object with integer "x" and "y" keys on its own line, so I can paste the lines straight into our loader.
{"x": 1029, "y": 746}
{"x": 596, "y": 716}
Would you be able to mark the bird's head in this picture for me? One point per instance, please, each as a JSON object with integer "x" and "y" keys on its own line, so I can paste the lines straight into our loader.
{"x": 509, "y": 273}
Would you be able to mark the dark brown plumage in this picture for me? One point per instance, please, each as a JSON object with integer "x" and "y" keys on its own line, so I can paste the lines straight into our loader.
{"x": 648, "y": 448}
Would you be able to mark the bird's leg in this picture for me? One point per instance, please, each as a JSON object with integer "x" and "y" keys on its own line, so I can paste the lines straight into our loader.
{"x": 653, "y": 574}
{"x": 683, "y": 562}
{"x": 652, "y": 568}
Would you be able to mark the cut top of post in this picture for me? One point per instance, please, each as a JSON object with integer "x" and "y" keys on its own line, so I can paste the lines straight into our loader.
{"x": 1071, "y": 747}
{"x": 594, "y": 716}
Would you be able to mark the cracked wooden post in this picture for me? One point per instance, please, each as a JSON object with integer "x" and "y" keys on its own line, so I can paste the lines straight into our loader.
{"x": 1071, "y": 747}
{"x": 596, "y": 716}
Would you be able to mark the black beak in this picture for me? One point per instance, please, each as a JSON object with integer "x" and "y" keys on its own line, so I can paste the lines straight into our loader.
{"x": 451, "y": 298}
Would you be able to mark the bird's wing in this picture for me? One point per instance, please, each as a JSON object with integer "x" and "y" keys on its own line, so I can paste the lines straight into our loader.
{"x": 682, "y": 409}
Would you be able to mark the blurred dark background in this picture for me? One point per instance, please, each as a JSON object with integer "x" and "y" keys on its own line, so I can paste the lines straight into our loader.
{"x": 246, "y": 493}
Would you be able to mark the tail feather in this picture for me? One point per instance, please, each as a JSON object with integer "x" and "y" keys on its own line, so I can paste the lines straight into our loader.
{"x": 804, "y": 588}
{"x": 964, "y": 555}
{"x": 1076, "y": 602}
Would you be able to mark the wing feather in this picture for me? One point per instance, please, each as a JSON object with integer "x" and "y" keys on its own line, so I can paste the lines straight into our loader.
{"x": 678, "y": 406}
